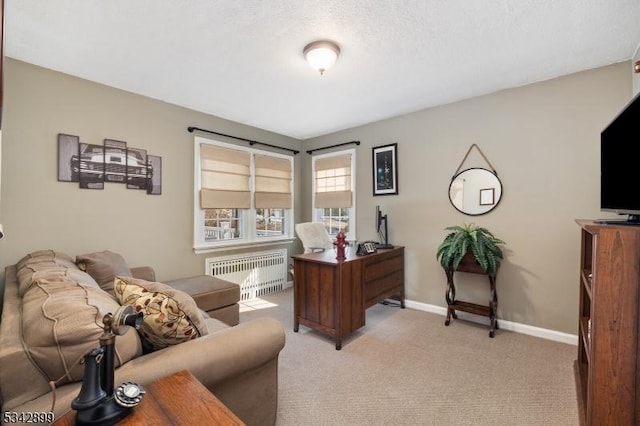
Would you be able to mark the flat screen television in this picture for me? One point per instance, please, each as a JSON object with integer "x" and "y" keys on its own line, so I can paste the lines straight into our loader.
{"x": 381, "y": 229}
{"x": 619, "y": 166}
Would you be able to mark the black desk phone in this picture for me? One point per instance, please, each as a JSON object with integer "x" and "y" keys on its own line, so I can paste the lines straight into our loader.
{"x": 367, "y": 247}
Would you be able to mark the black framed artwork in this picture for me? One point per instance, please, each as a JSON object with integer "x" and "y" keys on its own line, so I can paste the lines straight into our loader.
{"x": 154, "y": 177}
{"x": 137, "y": 168}
{"x": 385, "y": 169}
{"x": 90, "y": 163}
{"x": 67, "y": 150}
{"x": 115, "y": 161}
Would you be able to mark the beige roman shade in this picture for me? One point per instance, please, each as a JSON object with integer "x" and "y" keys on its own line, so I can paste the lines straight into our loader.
{"x": 272, "y": 182}
{"x": 333, "y": 182}
{"x": 225, "y": 175}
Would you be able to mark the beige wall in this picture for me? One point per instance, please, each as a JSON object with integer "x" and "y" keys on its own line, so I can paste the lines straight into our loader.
{"x": 636, "y": 76}
{"x": 38, "y": 212}
{"x": 543, "y": 139}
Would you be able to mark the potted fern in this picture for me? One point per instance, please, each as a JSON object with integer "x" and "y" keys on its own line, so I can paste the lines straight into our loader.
{"x": 468, "y": 245}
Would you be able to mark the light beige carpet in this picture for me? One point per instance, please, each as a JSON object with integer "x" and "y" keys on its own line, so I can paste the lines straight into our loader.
{"x": 406, "y": 368}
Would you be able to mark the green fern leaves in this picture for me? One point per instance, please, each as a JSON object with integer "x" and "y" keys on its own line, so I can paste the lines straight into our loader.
{"x": 482, "y": 243}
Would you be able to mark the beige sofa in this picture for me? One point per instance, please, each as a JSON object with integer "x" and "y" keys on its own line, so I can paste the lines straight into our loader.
{"x": 52, "y": 316}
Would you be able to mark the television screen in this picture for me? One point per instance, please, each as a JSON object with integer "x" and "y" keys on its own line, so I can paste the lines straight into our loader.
{"x": 619, "y": 163}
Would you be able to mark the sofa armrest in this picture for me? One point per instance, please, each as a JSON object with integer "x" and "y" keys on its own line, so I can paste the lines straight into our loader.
{"x": 212, "y": 358}
{"x": 146, "y": 273}
{"x": 239, "y": 365}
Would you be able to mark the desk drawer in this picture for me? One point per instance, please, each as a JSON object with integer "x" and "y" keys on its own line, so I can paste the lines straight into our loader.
{"x": 379, "y": 266}
{"x": 383, "y": 287}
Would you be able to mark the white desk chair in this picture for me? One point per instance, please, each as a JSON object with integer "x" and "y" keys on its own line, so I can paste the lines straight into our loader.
{"x": 314, "y": 237}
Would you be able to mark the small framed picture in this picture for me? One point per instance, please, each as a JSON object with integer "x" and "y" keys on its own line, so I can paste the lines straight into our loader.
{"x": 115, "y": 161}
{"x": 487, "y": 196}
{"x": 68, "y": 150}
{"x": 154, "y": 176}
{"x": 137, "y": 168}
{"x": 91, "y": 174}
{"x": 385, "y": 170}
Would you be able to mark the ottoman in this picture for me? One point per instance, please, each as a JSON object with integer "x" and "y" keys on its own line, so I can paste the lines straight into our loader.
{"x": 218, "y": 297}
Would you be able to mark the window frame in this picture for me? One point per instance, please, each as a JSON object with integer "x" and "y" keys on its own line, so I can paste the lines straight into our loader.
{"x": 316, "y": 215}
{"x": 247, "y": 217}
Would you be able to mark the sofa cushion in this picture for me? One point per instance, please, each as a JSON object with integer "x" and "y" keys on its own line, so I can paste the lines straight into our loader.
{"x": 170, "y": 316}
{"x": 104, "y": 266}
{"x": 62, "y": 317}
{"x": 209, "y": 292}
{"x": 46, "y": 263}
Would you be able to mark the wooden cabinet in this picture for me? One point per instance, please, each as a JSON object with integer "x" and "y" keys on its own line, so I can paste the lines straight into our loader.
{"x": 331, "y": 296}
{"x": 608, "y": 365}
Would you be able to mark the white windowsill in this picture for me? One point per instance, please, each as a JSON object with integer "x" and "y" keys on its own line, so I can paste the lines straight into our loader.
{"x": 237, "y": 246}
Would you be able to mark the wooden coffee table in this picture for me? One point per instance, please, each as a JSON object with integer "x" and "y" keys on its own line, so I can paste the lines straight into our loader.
{"x": 179, "y": 399}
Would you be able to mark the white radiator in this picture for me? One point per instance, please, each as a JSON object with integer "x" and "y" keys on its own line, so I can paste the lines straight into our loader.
{"x": 257, "y": 274}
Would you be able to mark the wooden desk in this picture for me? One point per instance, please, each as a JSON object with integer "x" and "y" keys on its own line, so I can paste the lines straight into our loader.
{"x": 179, "y": 399}
{"x": 331, "y": 296}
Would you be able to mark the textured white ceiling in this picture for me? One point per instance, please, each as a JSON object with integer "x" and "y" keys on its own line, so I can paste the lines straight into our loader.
{"x": 242, "y": 59}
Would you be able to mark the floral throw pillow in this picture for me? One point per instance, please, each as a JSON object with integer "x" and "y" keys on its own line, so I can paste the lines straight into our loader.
{"x": 170, "y": 316}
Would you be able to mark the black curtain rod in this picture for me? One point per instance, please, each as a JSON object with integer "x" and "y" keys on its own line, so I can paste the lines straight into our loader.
{"x": 332, "y": 146}
{"x": 251, "y": 142}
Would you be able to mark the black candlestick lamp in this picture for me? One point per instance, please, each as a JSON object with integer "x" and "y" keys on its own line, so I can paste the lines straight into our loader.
{"x": 97, "y": 404}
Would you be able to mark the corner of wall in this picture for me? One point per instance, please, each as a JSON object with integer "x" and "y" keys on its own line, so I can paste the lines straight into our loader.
{"x": 635, "y": 77}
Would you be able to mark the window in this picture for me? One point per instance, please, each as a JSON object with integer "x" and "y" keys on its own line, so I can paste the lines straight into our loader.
{"x": 221, "y": 224}
{"x": 243, "y": 195}
{"x": 333, "y": 192}
{"x": 269, "y": 222}
{"x": 335, "y": 220}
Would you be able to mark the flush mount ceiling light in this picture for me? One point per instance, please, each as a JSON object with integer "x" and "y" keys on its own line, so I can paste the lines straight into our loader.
{"x": 321, "y": 55}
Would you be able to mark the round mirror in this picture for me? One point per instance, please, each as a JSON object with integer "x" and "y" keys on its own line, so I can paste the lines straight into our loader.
{"x": 475, "y": 191}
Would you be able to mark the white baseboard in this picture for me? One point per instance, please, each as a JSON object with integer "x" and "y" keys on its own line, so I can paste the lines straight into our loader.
{"x": 543, "y": 333}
